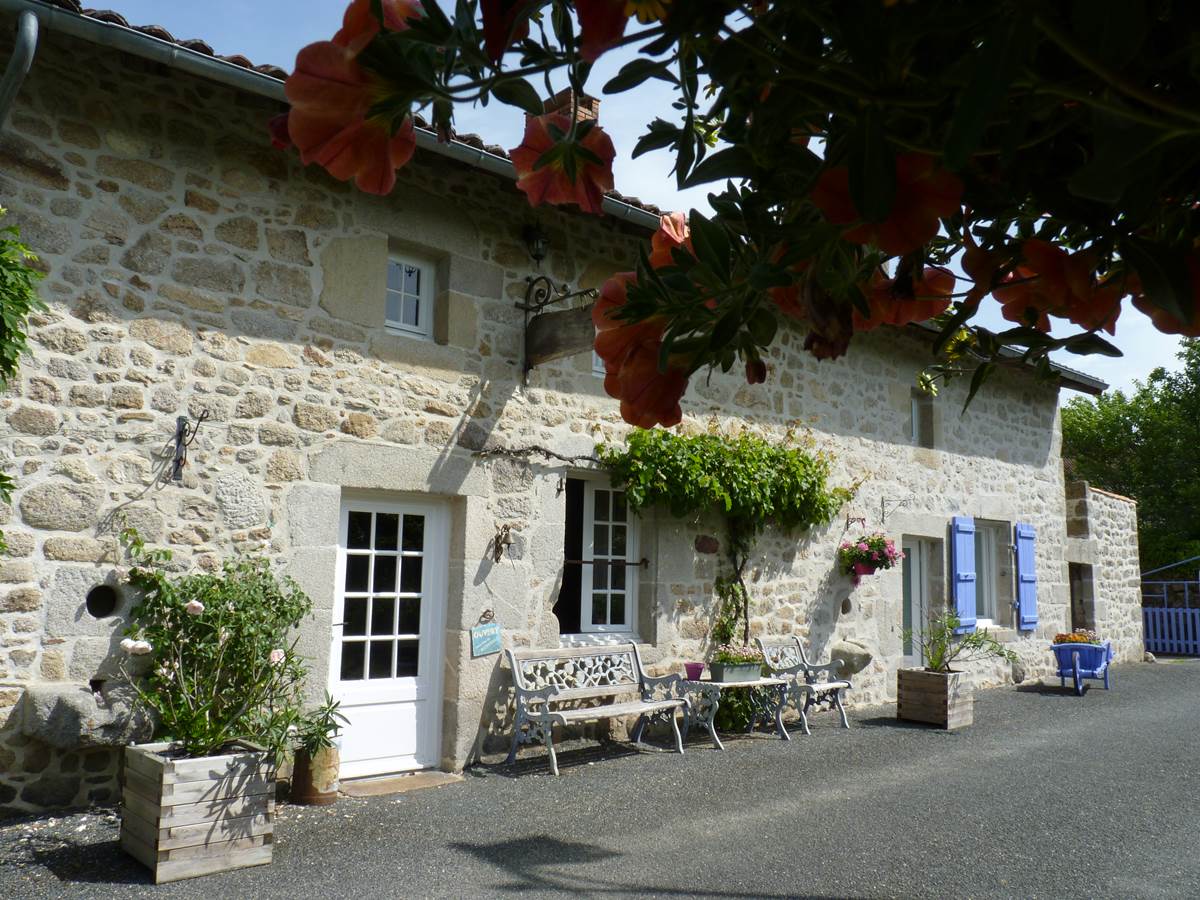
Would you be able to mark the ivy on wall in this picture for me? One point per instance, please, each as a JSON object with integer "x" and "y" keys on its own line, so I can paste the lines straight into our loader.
{"x": 18, "y": 298}
{"x": 749, "y": 481}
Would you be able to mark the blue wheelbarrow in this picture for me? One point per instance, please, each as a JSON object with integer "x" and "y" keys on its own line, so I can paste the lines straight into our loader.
{"x": 1079, "y": 661}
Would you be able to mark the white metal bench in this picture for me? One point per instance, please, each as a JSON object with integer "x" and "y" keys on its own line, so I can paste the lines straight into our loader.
{"x": 569, "y": 685}
{"x": 809, "y": 684}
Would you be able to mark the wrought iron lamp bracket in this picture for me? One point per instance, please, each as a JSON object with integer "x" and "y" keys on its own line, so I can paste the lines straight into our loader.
{"x": 540, "y": 292}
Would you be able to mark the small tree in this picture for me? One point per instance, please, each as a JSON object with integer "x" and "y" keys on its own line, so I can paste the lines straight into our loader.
{"x": 749, "y": 481}
{"x": 941, "y": 645}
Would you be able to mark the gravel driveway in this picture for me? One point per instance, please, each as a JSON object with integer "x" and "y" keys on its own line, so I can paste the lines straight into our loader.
{"x": 1046, "y": 795}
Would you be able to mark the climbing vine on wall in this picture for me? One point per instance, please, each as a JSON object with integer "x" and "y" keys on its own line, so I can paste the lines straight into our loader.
{"x": 750, "y": 481}
{"x": 18, "y": 298}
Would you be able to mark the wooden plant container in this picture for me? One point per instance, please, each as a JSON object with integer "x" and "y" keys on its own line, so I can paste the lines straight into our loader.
{"x": 187, "y": 817}
{"x": 945, "y": 699}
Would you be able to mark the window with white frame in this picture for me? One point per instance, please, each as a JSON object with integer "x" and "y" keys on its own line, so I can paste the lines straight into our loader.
{"x": 993, "y": 573}
{"x": 409, "y": 297}
{"x": 598, "y": 594}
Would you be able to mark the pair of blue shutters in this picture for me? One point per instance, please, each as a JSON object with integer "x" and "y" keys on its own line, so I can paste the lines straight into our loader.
{"x": 962, "y": 561}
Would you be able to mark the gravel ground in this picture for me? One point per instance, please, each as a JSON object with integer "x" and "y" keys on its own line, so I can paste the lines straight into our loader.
{"x": 1046, "y": 795}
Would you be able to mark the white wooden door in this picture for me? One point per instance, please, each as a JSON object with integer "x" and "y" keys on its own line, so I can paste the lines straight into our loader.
{"x": 916, "y": 597}
{"x": 389, "y": 618}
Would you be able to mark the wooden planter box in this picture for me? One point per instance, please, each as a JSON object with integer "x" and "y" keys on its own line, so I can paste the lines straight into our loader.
{"x": 187, "y": 817}
{"x": 945, "y": 699}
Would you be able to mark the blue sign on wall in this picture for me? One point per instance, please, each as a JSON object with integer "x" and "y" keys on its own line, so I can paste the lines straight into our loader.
{"x": 485, "y": 639}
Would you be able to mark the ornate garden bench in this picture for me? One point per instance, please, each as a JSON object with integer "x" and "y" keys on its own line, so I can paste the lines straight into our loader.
{"x": 585, "y": 684}
{"x": 809, "y": 685}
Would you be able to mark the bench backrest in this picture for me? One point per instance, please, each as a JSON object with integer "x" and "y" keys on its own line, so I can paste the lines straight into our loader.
{"x": 783, "y": 654}
{"x": 578, "y": 672}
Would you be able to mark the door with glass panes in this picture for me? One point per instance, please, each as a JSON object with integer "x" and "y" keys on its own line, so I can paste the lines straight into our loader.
{"x": 389, "y": 614}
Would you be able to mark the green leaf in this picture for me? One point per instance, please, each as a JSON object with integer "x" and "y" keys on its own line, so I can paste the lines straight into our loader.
{"x": 661, "y": 134}
{"x": 762, "y": 326}
{"x": 635, "y": 72}
{"x": 1089, "y": 344}
{"x": 1164, "y": 275}
{"x": 1118, "y": 160}
{"x": 732, "y": 162}
{"x": 997, "y": 63}
{"x": 710, "y": 244}
{"x": 872, "y": 166}
{"x": 977, "y": 380}
{"x": 519, "y": 93}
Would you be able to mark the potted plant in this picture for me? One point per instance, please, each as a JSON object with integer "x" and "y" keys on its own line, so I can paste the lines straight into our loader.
{"x": 316, "y": 763}
{"x": 867, "y": 554}
{"x": 735, "y": 662}
{"x": 225, "y": 685}
{"x": 938, "y": 694}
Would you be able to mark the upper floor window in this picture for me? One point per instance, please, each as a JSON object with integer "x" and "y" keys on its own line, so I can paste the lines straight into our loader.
{"x": 921, "y": 411}
{"x": 409, "y": 304}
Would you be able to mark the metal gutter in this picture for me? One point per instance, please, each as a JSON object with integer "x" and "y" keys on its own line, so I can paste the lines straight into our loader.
{"x": 129, "y": 40}
{"x": 24, "y": 48}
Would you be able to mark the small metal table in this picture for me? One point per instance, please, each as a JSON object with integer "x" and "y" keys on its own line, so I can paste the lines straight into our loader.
{"x": 768, "y": 697}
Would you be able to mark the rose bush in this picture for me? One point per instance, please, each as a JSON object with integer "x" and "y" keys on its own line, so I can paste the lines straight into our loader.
{"x": 222, "y": 666}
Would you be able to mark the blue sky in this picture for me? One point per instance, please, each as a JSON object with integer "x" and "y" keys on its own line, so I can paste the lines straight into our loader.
{"x": 271, "y": 31}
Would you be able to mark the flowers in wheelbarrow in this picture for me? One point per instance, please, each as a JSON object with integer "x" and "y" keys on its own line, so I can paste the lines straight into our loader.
{"x": 867, "y": 554}
{"x": 1078, "y": 636}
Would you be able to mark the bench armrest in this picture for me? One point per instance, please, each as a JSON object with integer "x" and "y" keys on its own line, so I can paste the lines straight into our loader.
{"x": 832, "y": 668}
{"x": 544, "y": 696}
{"x": 668, "y": 687}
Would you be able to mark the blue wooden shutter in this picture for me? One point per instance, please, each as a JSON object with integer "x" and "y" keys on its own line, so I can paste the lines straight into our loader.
{"x": 1027, "y": 613}
{"x": 962, "y": 558}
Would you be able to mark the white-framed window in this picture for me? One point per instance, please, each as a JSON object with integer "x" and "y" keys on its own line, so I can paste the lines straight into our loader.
{"x": 409, "y": 297}
{"x": 598, "y": 597}
{"x": 993, "y": 574}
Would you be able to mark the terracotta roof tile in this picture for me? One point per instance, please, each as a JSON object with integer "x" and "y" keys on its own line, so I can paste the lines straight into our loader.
{"x": 198, "y": 45}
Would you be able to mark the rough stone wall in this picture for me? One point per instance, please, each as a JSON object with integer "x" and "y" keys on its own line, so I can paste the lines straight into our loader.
{"x": 1104, "y": 533}
{"x": 192, "y": 269}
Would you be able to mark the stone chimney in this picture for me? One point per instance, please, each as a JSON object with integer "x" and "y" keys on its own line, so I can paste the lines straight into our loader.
{"x": 589, "y": 107}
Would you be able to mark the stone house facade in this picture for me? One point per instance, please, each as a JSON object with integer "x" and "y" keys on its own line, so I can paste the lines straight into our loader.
{"x": 356, "y": 363}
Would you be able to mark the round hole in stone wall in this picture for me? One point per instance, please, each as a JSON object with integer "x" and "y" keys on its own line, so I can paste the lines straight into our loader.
{"x": 102, "y": 601}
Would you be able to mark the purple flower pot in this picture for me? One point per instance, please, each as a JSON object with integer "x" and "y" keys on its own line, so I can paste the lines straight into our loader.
{"x": 861, "y": 569}
{"x": 694, "y": 670}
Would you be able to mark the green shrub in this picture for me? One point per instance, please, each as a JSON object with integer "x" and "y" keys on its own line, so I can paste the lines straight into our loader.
{"x": 222, "y": 667}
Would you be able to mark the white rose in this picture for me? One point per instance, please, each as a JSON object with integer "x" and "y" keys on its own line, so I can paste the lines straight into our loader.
{"x": 276, "y": 657}
{"x": 140, "y": 648}
{"x": 127, "y": 645}
{"x": 194, "y": 608}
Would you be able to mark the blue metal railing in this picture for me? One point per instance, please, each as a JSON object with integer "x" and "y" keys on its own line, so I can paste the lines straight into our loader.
{"x": 1170, "y": 620}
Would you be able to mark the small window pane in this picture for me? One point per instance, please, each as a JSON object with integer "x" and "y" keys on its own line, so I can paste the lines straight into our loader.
{"x": 412, "y": 280}
{"x": 599, "y": 609}
{"x": 353, "y": 656}
{"x": 383, "y": 611}
{"x": 395, "y": 275}
{"x": 616, "y": 609}
{"x": 601, "y": 506}
{"x": 600, "y": 540}
{"x": 618, "y": 577}
{"x": 618, "y": 506}
{"x": 410, "y": 615}
{"x": 410, "y": 575}
{"x": 410, "y": 312}
{"x": 599, "y": 575}
{"x": 359, "y": 536}
{"x": 381, "y": 659}
{"x": 414, "y": 532}
{"x": 355, "y": 617}
{"x": 384, "y": 581}
{"x": 406, "y": 658}
{"x": 387, "y": 525}
{"x": 357, "y": 568}
{"x": 618, "y": 540}
{"x": 393, "y": 307}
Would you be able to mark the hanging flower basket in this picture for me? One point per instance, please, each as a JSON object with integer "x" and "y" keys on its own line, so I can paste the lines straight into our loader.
{"x": 867, "y": 555}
